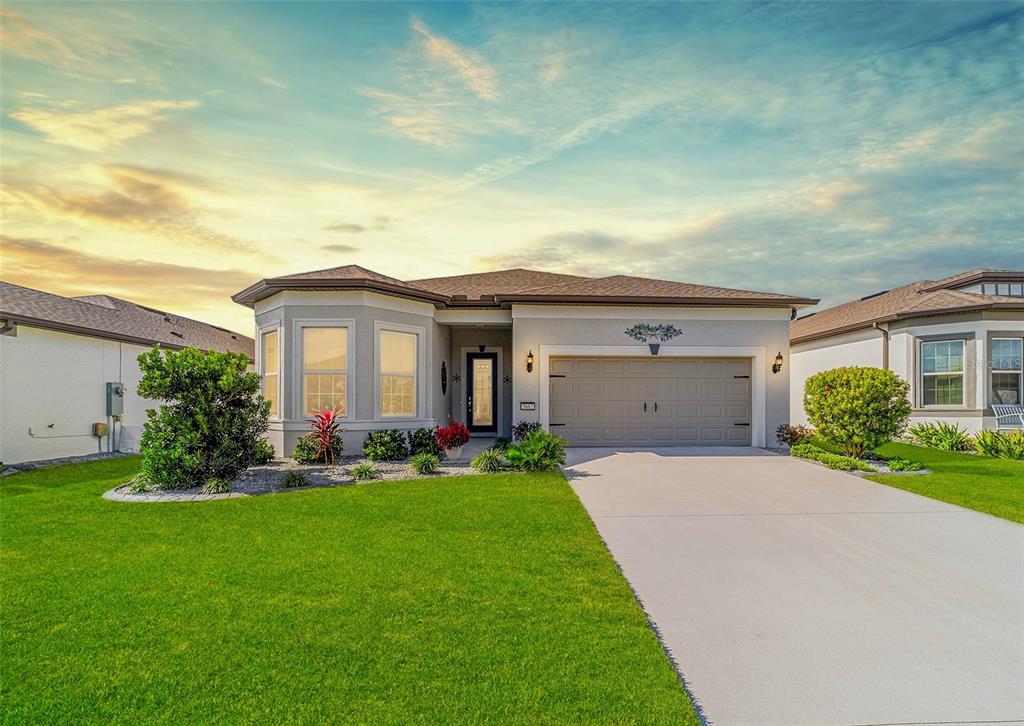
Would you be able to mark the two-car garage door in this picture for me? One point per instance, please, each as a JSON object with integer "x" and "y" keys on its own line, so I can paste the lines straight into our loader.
{"x": 651, "y": 401}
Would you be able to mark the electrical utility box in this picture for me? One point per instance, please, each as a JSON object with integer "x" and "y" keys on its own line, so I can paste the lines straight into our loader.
{"x": 115, "y": 399}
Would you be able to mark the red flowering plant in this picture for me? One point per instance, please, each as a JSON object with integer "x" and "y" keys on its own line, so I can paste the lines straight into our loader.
{"x": 451, "y": 436}
{"x": 326, "y": 433}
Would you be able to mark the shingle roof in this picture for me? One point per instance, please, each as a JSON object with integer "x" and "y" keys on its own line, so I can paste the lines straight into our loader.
{"x": 916, "y": 298}
{"x": 517, "y": 285}
{"x": 103, "y": 316}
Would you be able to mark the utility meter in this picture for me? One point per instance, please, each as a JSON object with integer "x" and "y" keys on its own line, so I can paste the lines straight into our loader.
{"x": 115, "y": 399}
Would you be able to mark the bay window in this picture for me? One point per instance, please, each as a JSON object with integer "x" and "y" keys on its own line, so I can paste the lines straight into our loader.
{"x": 942, "y": 373}
{"x": 325, "y": 370}
{"x": 270, "y": 362}
{"x": 1007, "y": 370}
{"x": 397, "y": 373}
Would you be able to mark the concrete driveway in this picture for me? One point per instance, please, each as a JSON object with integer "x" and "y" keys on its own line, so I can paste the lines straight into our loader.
{"x": 791, "y": 594}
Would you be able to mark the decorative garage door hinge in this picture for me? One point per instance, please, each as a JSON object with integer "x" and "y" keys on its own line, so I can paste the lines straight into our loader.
{"x": 556, "y": 375}
{"x": 737, "y": 424}
{"x": 741, "y": 376}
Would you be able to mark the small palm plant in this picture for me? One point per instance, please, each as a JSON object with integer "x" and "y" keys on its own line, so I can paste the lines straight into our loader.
{"x": 326, "y": 430}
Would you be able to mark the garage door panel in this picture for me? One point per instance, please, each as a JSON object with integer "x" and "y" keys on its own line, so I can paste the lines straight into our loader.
{"x": 689, "y": 401}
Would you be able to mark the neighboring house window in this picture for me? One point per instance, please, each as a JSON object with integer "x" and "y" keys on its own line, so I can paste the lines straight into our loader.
{"x": 942, "y": 373}
{"x": 270, "y": 359}
{"x": 325, "y": 370}
{"x": 397, "y": 373}
{"x": 1007, "y": 369}
{"x": 1013, "y": 289}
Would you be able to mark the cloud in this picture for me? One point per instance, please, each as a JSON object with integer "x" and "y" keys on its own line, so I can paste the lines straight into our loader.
{"x": 378, "y": 223}
{"x": 340, "y": 249}
{"x": 413, "y": 118}
{"x": 271, "y": 81}
{"x": 154, "y": 201}
{"x": 470, "y": 67}
{"x": 25, "y": 39}
{"x": 98, "y": 129}
{"x": 194, "y": 291}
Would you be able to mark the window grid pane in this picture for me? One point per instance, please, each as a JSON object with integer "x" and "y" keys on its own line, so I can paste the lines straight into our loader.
{"x": 325, "y": 349}
{"x": 270, "y": 355}
{"x": 325, "y": 391}
{"x": 1006, "y": 388}
{"x": 1006, "y": 354}
{"x": 943, "y": 390}
{"x": 397, "y": 395}
{"x": 270, "y": 392}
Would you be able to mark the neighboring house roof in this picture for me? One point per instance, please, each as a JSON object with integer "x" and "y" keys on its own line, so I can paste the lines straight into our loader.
{"x": 103, "y": 316}
{"x": 494, "y": 289}
{"x": 917, "y": 299}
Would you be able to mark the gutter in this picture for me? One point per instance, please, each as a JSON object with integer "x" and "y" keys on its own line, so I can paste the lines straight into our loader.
{"x": 885, "y": 344}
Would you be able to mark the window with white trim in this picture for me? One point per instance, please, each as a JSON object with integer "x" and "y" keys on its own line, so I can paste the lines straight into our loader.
{"x": 324, "y": 370}
{"x": 1007, "y": 369}
{"x": 397, "y": 373}
{"x": 942, "y": 373}
{"x": 270, "y": 361}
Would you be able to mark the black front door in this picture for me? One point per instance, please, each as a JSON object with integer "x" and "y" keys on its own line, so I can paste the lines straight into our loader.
{"x": 482, "y": 392}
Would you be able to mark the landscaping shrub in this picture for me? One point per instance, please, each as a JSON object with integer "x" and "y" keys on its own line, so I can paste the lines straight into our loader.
{"x": 488, "y": 461}
{"x": 212, "y": 422}
{"x": 857, "y": 408}
{"x": 426, "y": 463}
{"x": 385, "y": 446}
{"x": 522, "y": 429}
{"x": 898, "y": 464}
{"x": 327, "y": 433}
{"x": 139, "y": 484}
{"x": 263, "y": 453}
{"x": 941, "y": 435}
{"x": 1013, "y": 448}
{"x": 422, "y": 440}
{"x": 539, "y": 451}
{"x": 500, "y": 444}
{"x": 292, "y": 479}
{"x": 791, "y": 435}
{"x": 214, "y": 485}
{"x": 1003, "y": 445}
{"x": 452, "y": 436}
{"x": 832, "y": 461}
{"x": 364, "y": 472}
{"x": 307, "y": 449}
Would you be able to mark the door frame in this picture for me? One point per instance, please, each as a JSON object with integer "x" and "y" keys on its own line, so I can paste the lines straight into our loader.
{"x": 468, "y": 354}
{"x": 758, "y": 377}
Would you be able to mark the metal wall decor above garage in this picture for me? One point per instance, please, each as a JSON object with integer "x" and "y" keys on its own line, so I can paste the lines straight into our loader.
{"x": 651, "y": 402}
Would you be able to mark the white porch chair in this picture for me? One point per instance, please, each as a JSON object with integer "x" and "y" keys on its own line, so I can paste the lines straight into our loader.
{"x": 1008, "y": 414}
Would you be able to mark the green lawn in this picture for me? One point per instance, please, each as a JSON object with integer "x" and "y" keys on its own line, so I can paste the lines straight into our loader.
{"x": 477, "y": 599}
{"x": 993, "y": 486}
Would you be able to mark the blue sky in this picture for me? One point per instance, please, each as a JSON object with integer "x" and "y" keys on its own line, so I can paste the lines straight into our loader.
{"x": 174, "y": 153}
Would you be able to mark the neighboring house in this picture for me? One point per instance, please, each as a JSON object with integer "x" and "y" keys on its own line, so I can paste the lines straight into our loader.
{"x": 958, "y": 341}
{"x": 495, "y": 348}
{"x": 57, "y": 357}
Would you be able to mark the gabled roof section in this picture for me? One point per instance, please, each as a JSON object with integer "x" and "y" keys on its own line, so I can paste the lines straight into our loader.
{"x": 103, "y": 316}
{"x": 503, "y": 287}
{"x": 922, "y": 298}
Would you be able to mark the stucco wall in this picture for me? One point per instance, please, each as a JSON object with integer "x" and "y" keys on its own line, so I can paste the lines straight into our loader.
{"x": 54, "y": 385}
{"x": 538, "y": 326}
{"x": 363, "y": 313}
{"x": 495, "y": 340}
{"x": 860, "y": 348}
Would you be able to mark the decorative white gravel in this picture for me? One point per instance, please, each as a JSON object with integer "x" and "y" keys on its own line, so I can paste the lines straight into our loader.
{"x": 267, "y": 479}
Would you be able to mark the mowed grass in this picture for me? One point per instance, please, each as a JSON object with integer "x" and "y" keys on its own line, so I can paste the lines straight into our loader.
{"x": 983, "y": 483}
{"x": 484, "y": 599}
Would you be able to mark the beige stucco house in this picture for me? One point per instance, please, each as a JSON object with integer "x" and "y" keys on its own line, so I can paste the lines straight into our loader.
{"x": 64, "y": 361}
{"x": 958, "y": 341}
{"x": 495, "y": 348}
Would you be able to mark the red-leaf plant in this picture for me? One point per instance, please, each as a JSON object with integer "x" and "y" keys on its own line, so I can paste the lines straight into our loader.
{"x": 451, "y": 436}
{"x": 325, "y": 427}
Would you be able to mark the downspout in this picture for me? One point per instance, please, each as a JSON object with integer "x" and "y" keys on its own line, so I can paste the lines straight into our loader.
{"x": 885, "y": 344}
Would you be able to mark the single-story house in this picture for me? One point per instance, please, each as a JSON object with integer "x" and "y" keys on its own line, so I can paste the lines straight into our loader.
{"x": 577, "y": 354}
{"x": 958, "y": 341}
{"x": 68, "y": 363}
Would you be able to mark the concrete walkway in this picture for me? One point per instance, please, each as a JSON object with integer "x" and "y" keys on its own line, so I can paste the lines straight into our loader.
{"x": 793, "y": 594}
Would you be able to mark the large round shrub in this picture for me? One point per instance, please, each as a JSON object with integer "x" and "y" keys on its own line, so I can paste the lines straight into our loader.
{"x": 212, "y": 422}
{"x": 858, "y": 408}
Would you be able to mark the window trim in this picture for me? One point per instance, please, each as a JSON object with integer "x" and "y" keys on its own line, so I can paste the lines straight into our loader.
{"x": 921, "y": 372}
{"x": 992, "y": 368}
{"x": 274, "y": 327}
{"x": 299, "y": 362}
{"x": 419, "y": 395}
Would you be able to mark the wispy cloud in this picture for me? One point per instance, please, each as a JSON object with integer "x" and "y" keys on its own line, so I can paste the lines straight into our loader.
{"x": 468, "y": 66}
{"x": 378, "y": 223}
{"x": 98, "y": 129}
{"x": 271, "y": 81}
{"x": 189, "y": 290}
{"x": 340, "y": 249}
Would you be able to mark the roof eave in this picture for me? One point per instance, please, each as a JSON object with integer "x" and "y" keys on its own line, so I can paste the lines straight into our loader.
{"x": 903, "y": 316}
{"x": 797, "y": 302}
{"x": 265, "y": 288}
{"x": 984, "y": 275}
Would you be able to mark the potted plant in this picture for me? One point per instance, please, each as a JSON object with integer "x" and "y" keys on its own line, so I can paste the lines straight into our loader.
{"x": 452, "y": 438}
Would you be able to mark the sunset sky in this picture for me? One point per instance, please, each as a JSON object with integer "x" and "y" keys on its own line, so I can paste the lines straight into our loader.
{"x": 172, "y": 154}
